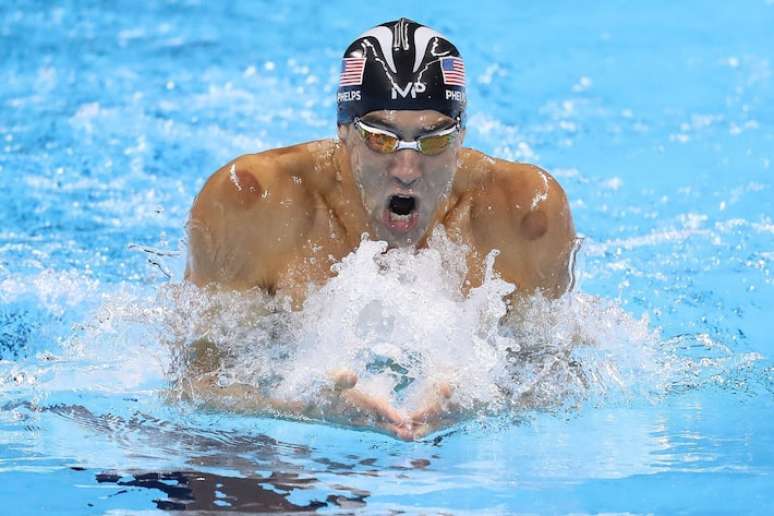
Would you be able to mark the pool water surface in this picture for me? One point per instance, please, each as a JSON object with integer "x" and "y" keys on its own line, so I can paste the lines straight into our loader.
{"x": 657, "y": 119}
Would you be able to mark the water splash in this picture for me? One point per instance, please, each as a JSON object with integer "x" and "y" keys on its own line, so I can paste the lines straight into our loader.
{"x": 399, "y": 320}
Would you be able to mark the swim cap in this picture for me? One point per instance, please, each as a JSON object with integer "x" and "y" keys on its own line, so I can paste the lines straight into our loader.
{"x": 401, "y": 65}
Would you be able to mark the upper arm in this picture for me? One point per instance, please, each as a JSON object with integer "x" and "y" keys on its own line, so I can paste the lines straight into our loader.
{"x": 525, "y": 215}
{"x": 553, "y": 249}
{"x": 246, "y": 217}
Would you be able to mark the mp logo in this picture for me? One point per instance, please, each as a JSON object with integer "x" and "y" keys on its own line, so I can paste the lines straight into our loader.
{"x": 411, "y": 88}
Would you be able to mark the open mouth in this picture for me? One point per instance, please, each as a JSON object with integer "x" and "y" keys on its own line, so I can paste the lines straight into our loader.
{"x": 402, "y": 206}
{"x": 401, "y": 214}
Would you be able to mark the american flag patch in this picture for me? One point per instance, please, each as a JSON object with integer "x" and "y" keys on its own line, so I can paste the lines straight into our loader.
{"x": 453, "y": 71}
{"x": 352, "y": 71}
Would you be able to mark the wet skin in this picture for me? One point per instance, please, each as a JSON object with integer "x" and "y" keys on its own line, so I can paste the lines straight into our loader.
{"x": 279, "y": 219}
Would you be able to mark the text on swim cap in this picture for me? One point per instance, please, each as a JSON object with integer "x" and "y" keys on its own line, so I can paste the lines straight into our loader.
{"x": 459, "y": 96}
{"x": 348, "y": 96}
{"x": 411, "y": 87}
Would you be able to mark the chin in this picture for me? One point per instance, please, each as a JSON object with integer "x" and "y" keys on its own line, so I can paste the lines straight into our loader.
{"x": 406, "y": 234}
{"x": 403, "y": 241}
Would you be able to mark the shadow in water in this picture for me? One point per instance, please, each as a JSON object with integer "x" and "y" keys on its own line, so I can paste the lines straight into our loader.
{"x": 199, "y": 491}
{"x": 268, "y": 475}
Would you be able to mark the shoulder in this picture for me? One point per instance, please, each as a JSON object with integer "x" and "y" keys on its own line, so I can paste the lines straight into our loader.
{"x": 522, "y": 211}
{"x": 250, "y": 214}
{"x": 273, "y": 177}
{"x": 521, "y": 195}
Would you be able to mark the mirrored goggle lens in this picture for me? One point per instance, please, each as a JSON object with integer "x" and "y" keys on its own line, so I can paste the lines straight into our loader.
{"x": 432, "y": 145}
{"x": 379, "y": 142}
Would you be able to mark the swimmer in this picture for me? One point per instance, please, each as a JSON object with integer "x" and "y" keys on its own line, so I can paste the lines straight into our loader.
{"x": 280, "y": 219}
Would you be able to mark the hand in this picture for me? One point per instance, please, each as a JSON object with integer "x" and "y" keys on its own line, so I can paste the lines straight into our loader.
{"x": 365, "y": 409}
{"x": 437, "y": 412}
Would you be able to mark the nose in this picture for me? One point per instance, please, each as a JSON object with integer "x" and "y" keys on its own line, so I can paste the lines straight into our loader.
{"x": 406, "y": 166}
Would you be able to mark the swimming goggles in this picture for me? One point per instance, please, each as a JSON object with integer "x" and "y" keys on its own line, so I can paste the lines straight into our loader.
{"x": 385, "y": 142}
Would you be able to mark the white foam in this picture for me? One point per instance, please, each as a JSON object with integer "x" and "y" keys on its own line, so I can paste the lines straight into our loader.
{"x": 114, "y": 349}
{"x": 55, "y": 291}
{"x": 398, "y": 319}
{"x": 614, "y": 183}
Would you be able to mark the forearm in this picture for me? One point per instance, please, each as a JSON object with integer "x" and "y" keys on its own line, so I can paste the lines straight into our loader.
{"x": 339, "y": 403}
{"x": 205, "y": 391}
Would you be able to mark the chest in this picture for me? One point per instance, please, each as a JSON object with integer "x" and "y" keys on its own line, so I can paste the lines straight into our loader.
{"x": 327, "y": 243}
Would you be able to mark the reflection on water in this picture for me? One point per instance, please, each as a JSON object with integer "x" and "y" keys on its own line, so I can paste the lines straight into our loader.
{"x": 195, "y": 490}
{"x": 110, "y": 122}
{"x": 222, "y": 469}
{"x": 187, "y": 461}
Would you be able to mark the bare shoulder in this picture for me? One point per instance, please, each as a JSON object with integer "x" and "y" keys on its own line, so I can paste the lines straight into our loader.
{"x": 513, "y": 193}
{"x": 268, "y": 177}
{"x": 253, "y": 210}
{"x": 522, "y": 211}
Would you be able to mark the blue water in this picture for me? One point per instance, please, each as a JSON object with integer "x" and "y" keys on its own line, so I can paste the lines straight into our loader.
{"x": 657, "y": 118}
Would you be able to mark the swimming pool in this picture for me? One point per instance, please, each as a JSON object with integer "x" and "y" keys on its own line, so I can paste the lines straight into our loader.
{"x": 656, "y": 119}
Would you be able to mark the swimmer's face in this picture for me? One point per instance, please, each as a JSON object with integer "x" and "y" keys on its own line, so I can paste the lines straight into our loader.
{"x": 402, "y": 190}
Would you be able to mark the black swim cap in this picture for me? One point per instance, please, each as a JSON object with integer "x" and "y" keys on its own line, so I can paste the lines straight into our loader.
{"x": 401, "y": 65}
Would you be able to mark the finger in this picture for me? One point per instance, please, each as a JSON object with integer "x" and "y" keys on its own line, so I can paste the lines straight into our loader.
{"x": 438, "y": 406}
{"x": 373, "y": 405}
{"x": 402, "y": 432}
{"x": 420, "y": 431}
{"x": 428, "y": 413}
{"x": 377, "y": 406}
{"x": 445, "y": 390}
{"x": 343, "y": 379}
